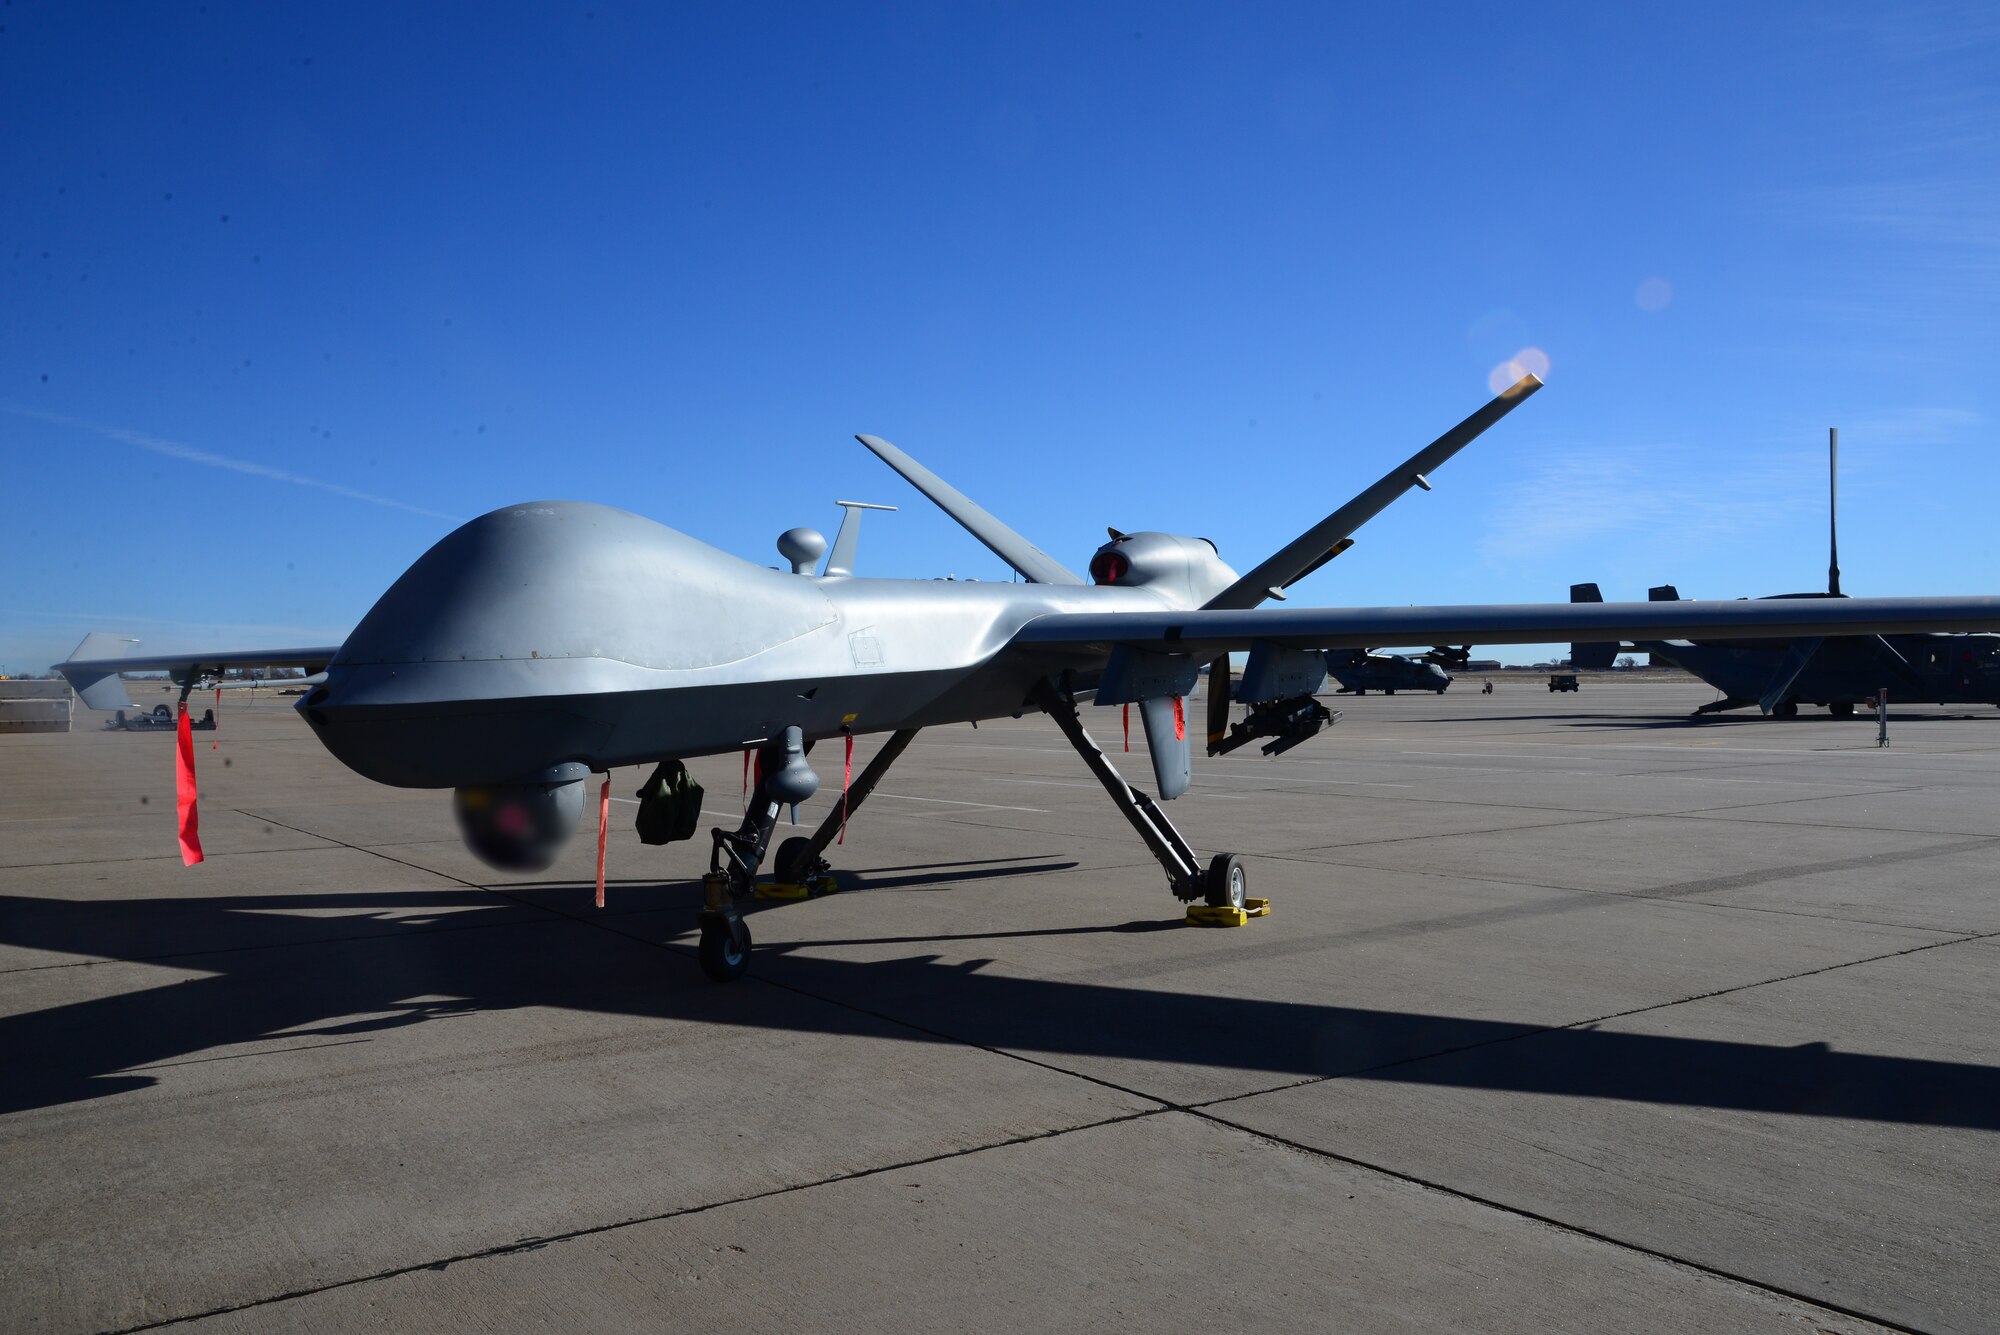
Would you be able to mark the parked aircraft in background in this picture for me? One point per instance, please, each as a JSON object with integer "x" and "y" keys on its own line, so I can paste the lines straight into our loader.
{"x": 1777, "y": 675}
{"x": 1358, "y": 671}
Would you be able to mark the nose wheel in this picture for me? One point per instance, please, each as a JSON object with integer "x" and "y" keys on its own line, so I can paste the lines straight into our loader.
{"x": 725, "y": 946}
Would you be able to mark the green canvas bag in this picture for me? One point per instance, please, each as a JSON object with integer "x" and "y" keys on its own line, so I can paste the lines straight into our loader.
{"x": 669, "y": 805}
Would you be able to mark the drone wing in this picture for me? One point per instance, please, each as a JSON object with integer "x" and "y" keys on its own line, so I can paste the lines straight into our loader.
{"x": 1203, "y": 634}
{"x": 94, "y": 666}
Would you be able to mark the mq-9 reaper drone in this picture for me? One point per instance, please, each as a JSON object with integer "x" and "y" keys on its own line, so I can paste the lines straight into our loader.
{"x": 541, "y": 643}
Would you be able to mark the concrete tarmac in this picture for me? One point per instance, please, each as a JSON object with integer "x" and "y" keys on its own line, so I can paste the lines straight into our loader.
{"x": 1572, "y": 1015}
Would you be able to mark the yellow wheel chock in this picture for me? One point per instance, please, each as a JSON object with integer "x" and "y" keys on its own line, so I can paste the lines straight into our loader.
{"x": 1204, "y": 915}
{"x": 823, "y": 884}
{"x": 769, "y": 890}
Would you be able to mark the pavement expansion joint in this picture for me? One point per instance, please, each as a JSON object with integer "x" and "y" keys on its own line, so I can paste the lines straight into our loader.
{"x": 1425, "y": 836}
{"x": 1743, "y": 880}
{"x": 1697, "y": 812}
{"x": 245, "y": 1056}
{"x": 537, "y": 1243}
{"x": 1605, "y": 1239}
{"x": 1674, "y": 892}
{"x": 1848, "y": 827}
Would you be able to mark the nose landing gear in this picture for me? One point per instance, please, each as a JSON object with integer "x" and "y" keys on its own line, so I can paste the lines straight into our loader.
{"x": 733, "y": 862}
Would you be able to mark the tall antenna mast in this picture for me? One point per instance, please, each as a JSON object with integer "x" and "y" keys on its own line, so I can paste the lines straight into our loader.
{"x": 1833, "y": 511}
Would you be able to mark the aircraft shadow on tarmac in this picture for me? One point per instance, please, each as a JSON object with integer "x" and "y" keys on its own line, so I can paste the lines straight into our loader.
{"x": 409, "y": 957}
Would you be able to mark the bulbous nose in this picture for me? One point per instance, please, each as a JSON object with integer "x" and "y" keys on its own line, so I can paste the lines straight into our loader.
{"x": 526, "y": 638}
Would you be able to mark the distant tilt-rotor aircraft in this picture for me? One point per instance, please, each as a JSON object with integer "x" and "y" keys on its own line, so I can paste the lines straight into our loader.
{"x": 545, "y": 642}
{"x": 1778, "y": 675}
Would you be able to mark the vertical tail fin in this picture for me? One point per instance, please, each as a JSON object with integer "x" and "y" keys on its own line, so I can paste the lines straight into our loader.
{"x": 1591, "y": 657}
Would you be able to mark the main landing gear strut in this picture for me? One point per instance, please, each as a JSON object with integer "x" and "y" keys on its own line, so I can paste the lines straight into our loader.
{"x": 1222, "y": 884}
{"x": 736, "y": 855}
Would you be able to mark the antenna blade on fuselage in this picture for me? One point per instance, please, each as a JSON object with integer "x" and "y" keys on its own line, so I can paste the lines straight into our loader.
{"x": 1310, "y": 549}
{"x": 1035, "y": 565}
{"x": 845, "y": 543}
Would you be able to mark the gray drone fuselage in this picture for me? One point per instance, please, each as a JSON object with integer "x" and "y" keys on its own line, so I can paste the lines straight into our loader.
{"x": 545, "y": 641}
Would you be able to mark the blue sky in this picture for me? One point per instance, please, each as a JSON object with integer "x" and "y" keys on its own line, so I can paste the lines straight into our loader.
{"x": 286, "y": 290}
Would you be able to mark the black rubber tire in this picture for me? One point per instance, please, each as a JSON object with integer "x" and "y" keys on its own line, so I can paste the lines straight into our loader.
{"x": 1785, "y": 709}
{"x": 1226, "y": 882}
{"x": 725, "y": 949}
{"x": 1387, "y": 691}
{"x": 1440, "y": 690}
{"x": 1359, "y": 691}
{"x": 1841, "y": 709}
{"x": 793, "y": 852}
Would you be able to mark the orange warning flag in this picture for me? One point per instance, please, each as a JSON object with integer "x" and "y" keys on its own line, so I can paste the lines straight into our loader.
{"x": 184, "y": 791}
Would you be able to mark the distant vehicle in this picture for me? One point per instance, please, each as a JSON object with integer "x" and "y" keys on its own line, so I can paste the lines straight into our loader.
{"x": 1562, "y": 681}
{"x": 159, "y": 719}
{"x": 1840, "y": 671}
{"x": 1359, "y": 672}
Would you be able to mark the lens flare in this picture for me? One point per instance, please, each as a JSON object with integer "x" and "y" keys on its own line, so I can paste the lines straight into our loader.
{"x": 1654, "y": 294}
{"x": 1528, "y": 361}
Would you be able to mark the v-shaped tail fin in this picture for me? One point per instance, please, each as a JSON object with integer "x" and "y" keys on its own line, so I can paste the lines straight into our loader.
{"x": 1035, "y": 565}
{"x": 1311, "y": 549}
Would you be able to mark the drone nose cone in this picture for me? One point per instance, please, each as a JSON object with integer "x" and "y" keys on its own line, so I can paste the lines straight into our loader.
{"x": 512, "y": 645}
{"x": 559, "y": 580}
{"x": 546, "y": 579}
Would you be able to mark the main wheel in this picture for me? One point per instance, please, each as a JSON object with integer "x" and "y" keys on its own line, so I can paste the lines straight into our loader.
{"x": 793, "y": 860}
{"x": 1226, "y": 883}
{"x": 1785, "y": 709}
{"x": 725, "y": 949}
{"x": 1841, "y": 709}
